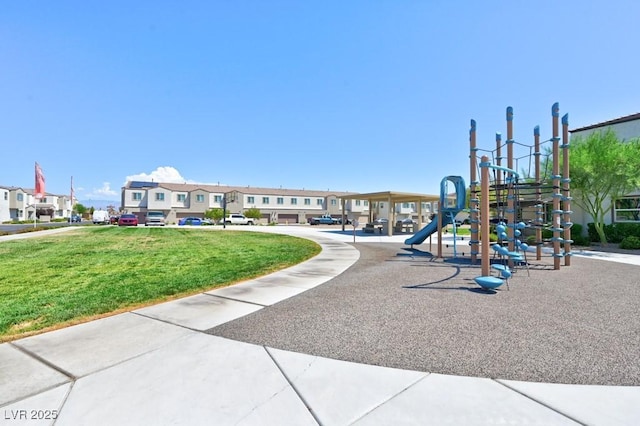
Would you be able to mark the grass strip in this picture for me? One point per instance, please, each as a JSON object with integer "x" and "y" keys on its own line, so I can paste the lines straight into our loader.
{"x": 57, "y": 280}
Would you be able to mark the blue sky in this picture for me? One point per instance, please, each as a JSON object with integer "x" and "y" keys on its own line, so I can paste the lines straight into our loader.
{"x": 354, "y": 96}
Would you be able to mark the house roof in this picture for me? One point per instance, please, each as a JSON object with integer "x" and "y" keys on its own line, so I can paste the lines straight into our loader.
{"x": 619, "y": 120}
{"x": 222, "y": 189}
{"x": 395, "y": 197}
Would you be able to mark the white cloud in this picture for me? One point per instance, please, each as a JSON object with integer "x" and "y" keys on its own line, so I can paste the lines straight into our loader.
{"x": 166, "y": 174}
{"x": 163, "y": 174}
{"x": 103, "y": 193}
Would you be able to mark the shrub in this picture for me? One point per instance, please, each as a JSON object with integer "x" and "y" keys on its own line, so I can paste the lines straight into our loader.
{"x": 577, "y": 237}
{"x": 623, "y": 230}
{"x": 576, "y": 231}
{"x": 493, "y": 238}
{"x": 615, "y": 232}
{"x": 630, "y": 243}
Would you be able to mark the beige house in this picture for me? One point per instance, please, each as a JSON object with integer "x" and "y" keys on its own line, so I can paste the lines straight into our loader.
{"x": 19, "y": 204}
{"x": 627, "y": 208}
{"x": 282, "y": 206}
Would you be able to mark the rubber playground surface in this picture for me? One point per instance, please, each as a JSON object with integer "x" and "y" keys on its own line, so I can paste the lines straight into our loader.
{"x": 401, "y": 308}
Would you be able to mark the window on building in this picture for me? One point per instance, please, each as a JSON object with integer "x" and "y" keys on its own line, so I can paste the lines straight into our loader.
{"x": 405, "y": 205}
{"x": 265, "y": 200}
{"x": 136, "y": 196}
{"x": 334, "y": 202}
{"x": 280, "y": 200}
{"x": 294, "y": 201}
{"x": 319, "y": 201}
{"x": 627, "y": 209}
{"x": 20, "y": 197}
{"x": 159, "y": 196}
{"x": 200, "y": 198}
{"x": 6, "y": 196}
{"x": 251, "y": 200}
{"x": 217, "y": 198}
{"x": 357, "y": 202}
{"x": 182, "y": 198}
{"x": 307, "y": 201}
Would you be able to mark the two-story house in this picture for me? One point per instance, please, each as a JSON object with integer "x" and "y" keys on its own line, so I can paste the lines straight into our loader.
{"x": 19, "y": 204}
{"x": 276, "y": 205}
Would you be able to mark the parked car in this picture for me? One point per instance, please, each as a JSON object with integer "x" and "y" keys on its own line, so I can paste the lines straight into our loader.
{"x": 237, "y": 219}
{"x": 194, "y": 221}
{"x": 325, "y": 219}
{"x": 128, "y": 220}
{"x": 154, "y": 218}
{"x": 114, "y": 220}
{"x": 381, "y": 221}
{"x": 100, "y": 217}
{"x": 75, "y": 218}
{"x": 408, "y": 221}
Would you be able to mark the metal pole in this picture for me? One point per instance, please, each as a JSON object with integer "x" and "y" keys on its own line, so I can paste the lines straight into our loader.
{"x": 224, "y": 211}
{"x": 484, "y": 214}
{"x": 511, "y": 205}
{"x": 556, "y": 226}
{"x": 566, "y": 195}
{"x": 473, "y": 200}
{"x": 539, "y": 205}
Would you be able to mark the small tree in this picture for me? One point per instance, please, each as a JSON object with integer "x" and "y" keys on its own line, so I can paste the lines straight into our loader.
{"x": 602, "y": 169}
{"x": 253, "y": 213}
{"x": 214, "y": 214}
{"x": 80, "y": 209}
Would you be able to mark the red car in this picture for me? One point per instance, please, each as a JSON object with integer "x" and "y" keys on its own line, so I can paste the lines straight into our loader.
{"x": 128, "y": 220}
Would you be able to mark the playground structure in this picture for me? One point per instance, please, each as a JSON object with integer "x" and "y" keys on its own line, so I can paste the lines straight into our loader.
{"x": 519, "y": 193}
{"x": 508, "y": 194}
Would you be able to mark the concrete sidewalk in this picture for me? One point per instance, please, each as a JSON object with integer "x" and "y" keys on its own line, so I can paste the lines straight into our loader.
{"x": 156, "y": 366}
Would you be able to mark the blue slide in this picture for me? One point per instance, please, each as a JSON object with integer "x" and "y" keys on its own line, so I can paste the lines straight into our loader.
{"x": 421, "y": 235}
{"x": 448, "y": 210}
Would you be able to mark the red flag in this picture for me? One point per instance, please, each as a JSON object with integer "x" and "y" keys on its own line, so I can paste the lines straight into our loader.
{"x": 39, "y": 192}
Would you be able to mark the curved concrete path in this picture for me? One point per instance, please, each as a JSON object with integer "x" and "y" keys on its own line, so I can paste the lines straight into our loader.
{"x": 156, "y": 366}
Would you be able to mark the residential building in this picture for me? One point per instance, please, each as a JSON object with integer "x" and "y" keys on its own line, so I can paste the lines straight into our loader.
{"x": 19, "y": 204}
{"x": 627, "y": 208}
{"x": 5, "y": 204}
{"x": 282, "y": 206}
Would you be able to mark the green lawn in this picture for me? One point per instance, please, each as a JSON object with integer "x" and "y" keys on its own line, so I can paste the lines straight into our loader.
{"x": 56, "y": 280}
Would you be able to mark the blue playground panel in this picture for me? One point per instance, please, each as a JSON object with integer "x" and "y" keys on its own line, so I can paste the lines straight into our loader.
{"x": 489, "y": 283}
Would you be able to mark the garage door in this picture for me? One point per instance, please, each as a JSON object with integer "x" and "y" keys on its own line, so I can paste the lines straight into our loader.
{"x": 287, "y": 218}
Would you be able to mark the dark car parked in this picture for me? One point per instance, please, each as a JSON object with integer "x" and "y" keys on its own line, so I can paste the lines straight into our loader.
{"x": 128, "y": 220}
{"x": 75, "y": 218}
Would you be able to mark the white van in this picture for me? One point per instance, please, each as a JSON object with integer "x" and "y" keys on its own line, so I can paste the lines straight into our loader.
{"x": 100, "y": 217}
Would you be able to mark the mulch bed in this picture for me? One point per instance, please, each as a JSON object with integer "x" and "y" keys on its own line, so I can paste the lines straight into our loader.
{"x": 405, "y": 309}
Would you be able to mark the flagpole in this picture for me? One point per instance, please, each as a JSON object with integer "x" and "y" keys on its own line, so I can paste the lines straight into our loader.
{"x": 71, "y": 208}
{"x": 35, "y": 198}
{"x": 38, "y": 192}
